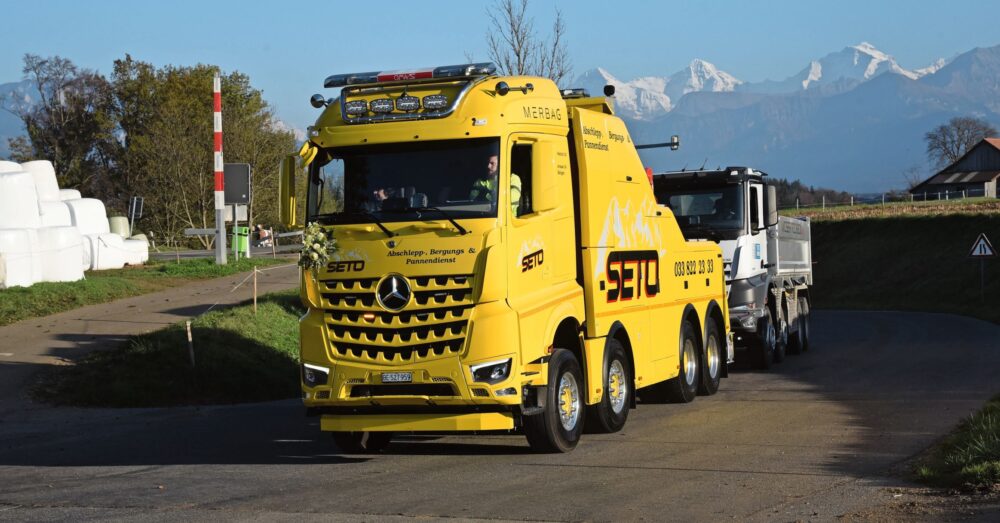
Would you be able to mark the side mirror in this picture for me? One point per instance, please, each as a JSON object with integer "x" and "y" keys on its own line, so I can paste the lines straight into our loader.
{"x": 545, "y": 189}
{"x": 771, "y": 207}
{"x": 286, "y": 191}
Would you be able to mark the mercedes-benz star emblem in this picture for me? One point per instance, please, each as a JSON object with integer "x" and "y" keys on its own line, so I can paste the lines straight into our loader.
{"x": 393, "y": 293}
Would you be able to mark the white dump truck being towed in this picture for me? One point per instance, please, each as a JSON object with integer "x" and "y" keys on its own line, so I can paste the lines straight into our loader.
{"x": 767, "y": 258}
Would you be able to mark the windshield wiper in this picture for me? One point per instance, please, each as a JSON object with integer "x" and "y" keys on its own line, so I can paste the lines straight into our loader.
{"x": 418, "y": 210}
{"x": 461, "y": 230}
{"x": 358, "y": 212}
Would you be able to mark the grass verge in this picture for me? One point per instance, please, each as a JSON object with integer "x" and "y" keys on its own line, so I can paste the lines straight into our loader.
{"x": 969, "y": 458}
{"x": 42, "y": 299}
{"x": 239, "y": 357}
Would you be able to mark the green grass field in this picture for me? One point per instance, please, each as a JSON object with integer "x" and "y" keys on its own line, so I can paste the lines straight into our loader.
{"x": 916, "y": 262}
{"x": 970, "y": 206}
{"x": 42, "y": 299}
{"x": 239, "y": 357}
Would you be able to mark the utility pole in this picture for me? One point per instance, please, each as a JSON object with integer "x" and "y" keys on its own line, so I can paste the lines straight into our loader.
{"x": 220, "y": 179}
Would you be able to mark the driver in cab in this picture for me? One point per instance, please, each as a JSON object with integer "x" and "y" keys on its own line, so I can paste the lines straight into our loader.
{"x": 485, "y": 189}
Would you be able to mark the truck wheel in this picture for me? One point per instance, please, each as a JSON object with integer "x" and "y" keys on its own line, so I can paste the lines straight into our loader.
{"x": 362, "y": 442}
{"x": 611, "y": 413}
{"x": 711, "y": 365}
{"x": 684, "y": 387}
{"x": 781, "y": 337}
{"x": 796, "y": 344}
{"x": 559, "y": 427}
{"x": 766, "y": 343}
{"x": 805, "y": 315}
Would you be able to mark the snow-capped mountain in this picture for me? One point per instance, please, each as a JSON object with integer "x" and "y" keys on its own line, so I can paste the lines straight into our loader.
{"x": 856, "y": 133}
{"x": 649, "y": 97}
{"x": 847, "y": 67}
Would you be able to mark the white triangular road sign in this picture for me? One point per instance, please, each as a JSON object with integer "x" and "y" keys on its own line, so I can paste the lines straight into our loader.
{"x": 982, "y": 247}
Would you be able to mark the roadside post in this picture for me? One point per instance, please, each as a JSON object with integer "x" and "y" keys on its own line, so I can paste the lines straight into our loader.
{"x": 982, "y": 249}
{"x": 134, "y": 212}
{"x": 220, "y": 195}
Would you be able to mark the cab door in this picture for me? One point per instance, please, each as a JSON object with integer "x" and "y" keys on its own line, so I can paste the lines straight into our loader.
{"x": 538, "y": 212}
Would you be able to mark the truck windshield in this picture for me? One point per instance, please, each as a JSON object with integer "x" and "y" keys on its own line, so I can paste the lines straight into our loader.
{"x": 709, "y": 209}
{"x": 403, "y": 182}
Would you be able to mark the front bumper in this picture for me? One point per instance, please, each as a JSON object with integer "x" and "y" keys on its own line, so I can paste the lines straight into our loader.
{"x": 744, "y": 319}
{"x": 355, "y": 396}
{"x": 417, "y": 422}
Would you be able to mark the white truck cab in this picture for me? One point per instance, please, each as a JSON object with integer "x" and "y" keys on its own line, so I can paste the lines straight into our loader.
{"x": 767, "y": 259}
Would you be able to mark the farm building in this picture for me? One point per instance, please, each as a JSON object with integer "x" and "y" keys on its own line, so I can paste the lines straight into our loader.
{"x": 974, "y": 174}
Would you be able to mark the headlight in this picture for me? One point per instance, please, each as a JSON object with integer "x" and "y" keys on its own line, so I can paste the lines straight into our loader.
{"x": 491, "y": 372}
{"x": 314, "y": 375}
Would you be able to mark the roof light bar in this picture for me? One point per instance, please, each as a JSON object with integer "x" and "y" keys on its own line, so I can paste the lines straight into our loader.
{"x": 575, "y": 93}
{"x": 375, "y": 77}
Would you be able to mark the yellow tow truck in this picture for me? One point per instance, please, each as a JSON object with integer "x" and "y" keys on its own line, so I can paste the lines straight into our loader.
{"x": 501, "y": 264}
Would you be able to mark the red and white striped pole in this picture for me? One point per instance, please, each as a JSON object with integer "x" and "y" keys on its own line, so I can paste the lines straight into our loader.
{"x": 220, "y": 179}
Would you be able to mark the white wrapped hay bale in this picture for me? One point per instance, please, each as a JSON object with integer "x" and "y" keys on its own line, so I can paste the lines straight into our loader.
{"x": 69, "y": 194}
{"x": 18, "y": 201}
{"x": 119, "y": 225}
{"x": 9, "y": 167}
{"x": 89, "y": 215}
{"x": 55, "y": 214}
{"x": 136, "y": 251}
{"x": 107, "y": 251}
{"x": 45, "y": 179}
{"x": 17, "y": 254}
{"x": 60, "y": 253}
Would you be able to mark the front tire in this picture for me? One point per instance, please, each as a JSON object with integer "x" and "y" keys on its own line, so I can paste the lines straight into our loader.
{"x": 712, "y": 360}
{"x": 362, "y": 442}
{"x": 611, "y": 413}
{"x": 767, "y": 340}
{"x": 559, "y": 426}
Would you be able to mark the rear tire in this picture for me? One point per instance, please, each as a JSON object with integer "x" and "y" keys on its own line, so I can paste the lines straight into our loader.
{"x": 684, "y": 387}
{"x": 611, "y": 413}
{"x": 797, "y": 343}
{"x": 712, "y": 360}
{"x": 362, "y": 442}
{"x": 806, "y": 314}
{"x": 559, "y": 426}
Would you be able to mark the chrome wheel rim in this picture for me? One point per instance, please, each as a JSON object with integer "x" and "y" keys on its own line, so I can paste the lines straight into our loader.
{"x": 569, "y": 402}
{"x": 617, "y": 387}
{"x": 690, "y": 362}
{"x": 712, "y": 355}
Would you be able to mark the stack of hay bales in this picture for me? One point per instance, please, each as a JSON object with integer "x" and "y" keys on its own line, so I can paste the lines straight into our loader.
{"x": 52, "y": 234}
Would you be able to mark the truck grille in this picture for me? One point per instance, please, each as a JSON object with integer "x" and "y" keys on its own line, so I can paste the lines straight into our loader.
{"x": 434, "y": 325}
{"x": 727, "y": 269}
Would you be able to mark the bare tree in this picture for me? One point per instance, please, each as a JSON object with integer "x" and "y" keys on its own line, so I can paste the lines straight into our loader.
{"x": 913, "y": 176}
{"x": 515, "y": 47}
{"x": 947, "y": 143}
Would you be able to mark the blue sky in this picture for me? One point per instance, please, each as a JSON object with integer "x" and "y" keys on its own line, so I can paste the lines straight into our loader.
{"x": 289, "y": 48}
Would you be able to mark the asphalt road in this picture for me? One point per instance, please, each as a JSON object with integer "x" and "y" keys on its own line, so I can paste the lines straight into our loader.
{"x": 823, "y": 434}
